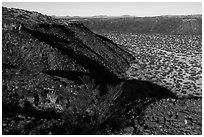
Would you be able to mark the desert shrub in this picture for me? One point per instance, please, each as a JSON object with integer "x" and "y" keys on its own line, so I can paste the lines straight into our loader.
{"x": 87, "y": 109}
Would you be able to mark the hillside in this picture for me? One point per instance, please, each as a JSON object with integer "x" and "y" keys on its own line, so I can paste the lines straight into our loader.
{"x": 59, "y": 77}
{"x": 186, "y": 24}
{"x": 45, "y": 62}
{"x": 36, "y": 43}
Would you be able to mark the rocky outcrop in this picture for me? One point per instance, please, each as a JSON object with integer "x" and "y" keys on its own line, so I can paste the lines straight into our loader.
{"x": 35, "y": 43}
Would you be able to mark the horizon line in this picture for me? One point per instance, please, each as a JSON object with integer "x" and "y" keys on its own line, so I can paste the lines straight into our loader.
{"x": 97, "y": 15}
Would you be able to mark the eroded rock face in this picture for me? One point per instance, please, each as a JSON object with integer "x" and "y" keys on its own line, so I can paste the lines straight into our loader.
{"x": 45, "y": 61}
{"x": 41, "y": 55}
{"x": 33, "y": 43}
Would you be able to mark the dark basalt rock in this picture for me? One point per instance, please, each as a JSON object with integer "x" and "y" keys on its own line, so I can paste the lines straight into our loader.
{"x": 35, "y": 44}
{"x": 39, "y": 46}
{"x": 40, "y": 53}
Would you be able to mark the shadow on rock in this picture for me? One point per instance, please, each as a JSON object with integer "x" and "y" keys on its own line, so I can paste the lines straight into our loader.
{"x": 76, "y": 77}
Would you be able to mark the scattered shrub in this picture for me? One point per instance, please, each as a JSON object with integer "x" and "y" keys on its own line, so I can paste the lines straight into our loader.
{"x": 87, "y": 110}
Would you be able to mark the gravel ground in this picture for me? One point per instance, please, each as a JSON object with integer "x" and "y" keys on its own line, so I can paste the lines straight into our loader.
{"x": 167, "y": 117}
{"x": 172, "y": 61}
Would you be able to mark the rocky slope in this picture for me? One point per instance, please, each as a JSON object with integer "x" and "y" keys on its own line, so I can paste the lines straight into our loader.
{"x": 164, "y": 117}
{"x": 34, "y": 43}
{"x": 41, "y": 59}
{"x": 44, "y": 61}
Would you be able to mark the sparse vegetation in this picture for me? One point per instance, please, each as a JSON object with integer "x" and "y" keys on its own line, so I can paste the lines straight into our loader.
{"x": 173, "y": 61}
{"x": 82, "y": 110}
{"x": 88, "y": 110}
{"x": 61, "y": 78}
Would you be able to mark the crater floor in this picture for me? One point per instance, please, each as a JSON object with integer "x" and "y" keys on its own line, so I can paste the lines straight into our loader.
{"x": 173, "y": 61}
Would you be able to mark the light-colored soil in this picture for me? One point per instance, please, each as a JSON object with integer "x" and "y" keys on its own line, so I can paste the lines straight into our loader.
{"x": 173, "y": 61}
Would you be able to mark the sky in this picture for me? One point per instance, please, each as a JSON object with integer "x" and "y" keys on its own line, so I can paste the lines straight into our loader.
{"x": 109, "y": 8}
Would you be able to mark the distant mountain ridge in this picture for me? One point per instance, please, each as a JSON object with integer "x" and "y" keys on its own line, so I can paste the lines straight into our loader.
{"x": 126, "y": 15}
{"x": 167, "y": 24}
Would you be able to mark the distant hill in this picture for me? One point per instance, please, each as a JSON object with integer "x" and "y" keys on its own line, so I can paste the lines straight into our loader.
{"x": 181, "y": 24}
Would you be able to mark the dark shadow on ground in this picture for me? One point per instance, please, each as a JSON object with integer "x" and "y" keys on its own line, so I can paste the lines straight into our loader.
{"x": 29, "y": 111}
{"x": 133, "y": 89}
{"x": 8, "y": 66}
{"x": 136, "y": 96}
